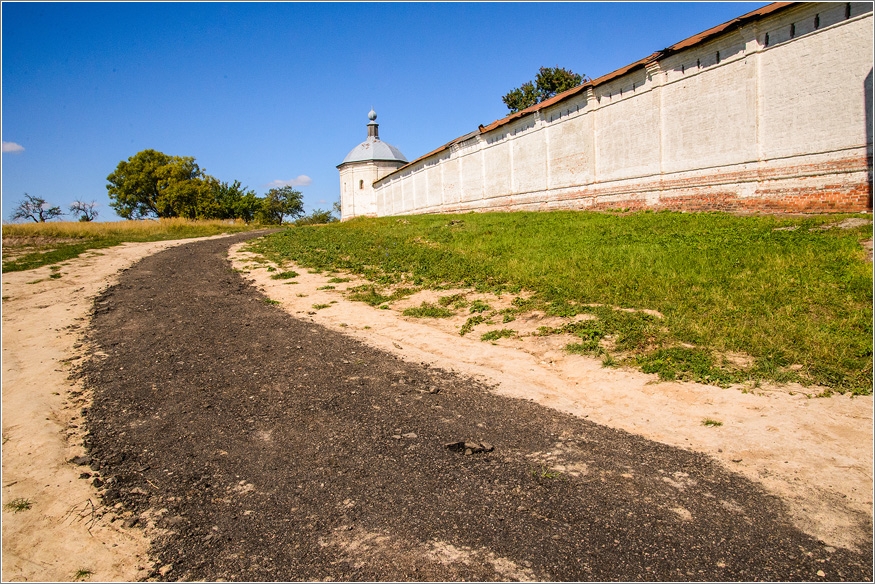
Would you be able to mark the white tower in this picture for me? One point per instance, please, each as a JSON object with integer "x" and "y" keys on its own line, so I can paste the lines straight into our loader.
{"x": 365, "y": 164}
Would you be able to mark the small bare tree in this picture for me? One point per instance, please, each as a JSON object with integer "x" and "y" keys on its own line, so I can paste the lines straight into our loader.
{"x": 35, "y": 208}
{"x": 86, "y": 211}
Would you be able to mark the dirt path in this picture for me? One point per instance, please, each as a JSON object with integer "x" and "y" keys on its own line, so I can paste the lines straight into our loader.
{"x": 271, "y": 448}
{"x": 64, "y": 533}
{"x": 301, "y": 464}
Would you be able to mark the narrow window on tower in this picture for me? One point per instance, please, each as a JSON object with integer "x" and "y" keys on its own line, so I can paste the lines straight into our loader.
{"x": 361, "y": 184}
{"x": 847, "y": 10}
{"x": 816, "y": 21}
{"x": 767, "y": 40}
{"x": 793, "y": 30}
{"x": 718, "y": 57}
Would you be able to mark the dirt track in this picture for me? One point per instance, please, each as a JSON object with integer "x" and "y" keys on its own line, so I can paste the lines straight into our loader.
{"x": 270, "y": 448}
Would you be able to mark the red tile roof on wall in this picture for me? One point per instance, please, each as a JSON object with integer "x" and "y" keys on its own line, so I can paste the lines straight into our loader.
{"x": 692, "y": 41}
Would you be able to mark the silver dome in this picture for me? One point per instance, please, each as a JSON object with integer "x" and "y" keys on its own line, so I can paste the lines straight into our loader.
{"x": 373, "y": 148}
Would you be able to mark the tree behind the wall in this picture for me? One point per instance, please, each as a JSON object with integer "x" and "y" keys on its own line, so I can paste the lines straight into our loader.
{"x": 548, "y": 82}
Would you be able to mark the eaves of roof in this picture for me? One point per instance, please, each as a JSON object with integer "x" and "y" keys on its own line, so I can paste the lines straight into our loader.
{"x": 692, "y": 41}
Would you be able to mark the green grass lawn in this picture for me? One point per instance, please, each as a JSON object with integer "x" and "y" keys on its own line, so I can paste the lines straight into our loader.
{"x": 31, "y": 245}
{"x": 797, "y": 301}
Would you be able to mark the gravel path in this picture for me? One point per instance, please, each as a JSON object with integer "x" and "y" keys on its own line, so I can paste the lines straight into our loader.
{"x": 274, "y": 449}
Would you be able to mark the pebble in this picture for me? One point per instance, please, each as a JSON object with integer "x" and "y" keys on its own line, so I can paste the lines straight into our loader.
{"x": 821, "y": 573}
{"x": 81, "y": 460}
{"x": 166, "y": 569}
{"x": 469, "y": 447}
{"x": 409, "y": 435}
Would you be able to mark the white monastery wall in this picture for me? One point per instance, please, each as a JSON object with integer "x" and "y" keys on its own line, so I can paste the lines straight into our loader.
{"x": 767, "y": 115}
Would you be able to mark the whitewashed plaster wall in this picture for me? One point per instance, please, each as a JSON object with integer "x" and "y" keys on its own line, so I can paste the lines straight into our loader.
{"x": 781, "y": 120}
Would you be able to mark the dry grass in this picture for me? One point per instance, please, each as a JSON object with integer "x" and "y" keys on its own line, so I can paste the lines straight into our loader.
{"x": 31, "y": 245}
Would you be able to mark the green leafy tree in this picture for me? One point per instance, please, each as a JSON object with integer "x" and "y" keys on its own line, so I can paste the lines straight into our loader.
{"x": 316, "y": 217}
{"x": 154, "y": 184}
{"x": 35, "y": 208}
{"x": 229, "y": 201}
{"x": 86, "y": 211}
{"x": 279, "y": 203}
{"x": 248, "y": 207}
{"x": 549, "y": 82}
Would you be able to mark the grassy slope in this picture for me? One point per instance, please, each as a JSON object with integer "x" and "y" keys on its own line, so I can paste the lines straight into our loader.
{"x": 798, "y": 301}
{"x": 53, "y": 242}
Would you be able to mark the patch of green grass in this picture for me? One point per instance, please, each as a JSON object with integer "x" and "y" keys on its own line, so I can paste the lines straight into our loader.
{"x": 499, "y": 334}
{"x": 428, "y": 310}
{"x": 546, "y": 473}
{"x": 271, "y": 301}
{"x": 320, "y": 306}
{"x": 81, "y": 574}
{"x": 681, "y": 363}
{"x": 723, "y": 283}
{"x": 456, "y": 300}
{"x": 18, "y": 505}
{"x": 337, "y": 280}
{"x": 55, "y": 276}
{"x": 370, "y": 294}
{"x": 284, "y": 275}
{"x": 58, "y": 241}
{"x": 479, "y": 306}
{"x": 271, "y": 269}
{"x": 328, "y": 287}
{"x": 471, "y": 323}
{"x": 710, "y": 422}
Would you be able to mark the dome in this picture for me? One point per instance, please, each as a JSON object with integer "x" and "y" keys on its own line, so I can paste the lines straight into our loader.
{"x": 373, "y": 148}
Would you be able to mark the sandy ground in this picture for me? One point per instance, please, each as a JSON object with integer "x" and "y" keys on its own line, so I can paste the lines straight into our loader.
{"x": 814, "y": 453}
{"x": 65, "y": 534}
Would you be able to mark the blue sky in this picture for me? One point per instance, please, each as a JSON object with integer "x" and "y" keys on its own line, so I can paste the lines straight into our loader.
{"x": 266, "y": 93}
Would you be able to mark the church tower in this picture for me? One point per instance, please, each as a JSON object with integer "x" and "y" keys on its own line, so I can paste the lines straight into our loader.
{"x": 365, "y": 164}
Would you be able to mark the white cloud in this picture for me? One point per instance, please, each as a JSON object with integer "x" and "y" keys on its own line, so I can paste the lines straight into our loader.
{"x": 299, "y": 181}
{"x": 13, "y": 147}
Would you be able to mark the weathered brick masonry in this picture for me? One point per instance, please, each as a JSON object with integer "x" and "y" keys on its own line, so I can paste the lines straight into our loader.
{"x": 769, "y": 112}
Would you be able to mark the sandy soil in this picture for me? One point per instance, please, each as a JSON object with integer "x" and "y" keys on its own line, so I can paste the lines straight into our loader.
{"x": 814, "y": 453}
{"x": 66, "y": 532}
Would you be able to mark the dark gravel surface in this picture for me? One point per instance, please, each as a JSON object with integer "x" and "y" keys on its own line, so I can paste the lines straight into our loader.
{"x": 278, "y": 450}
